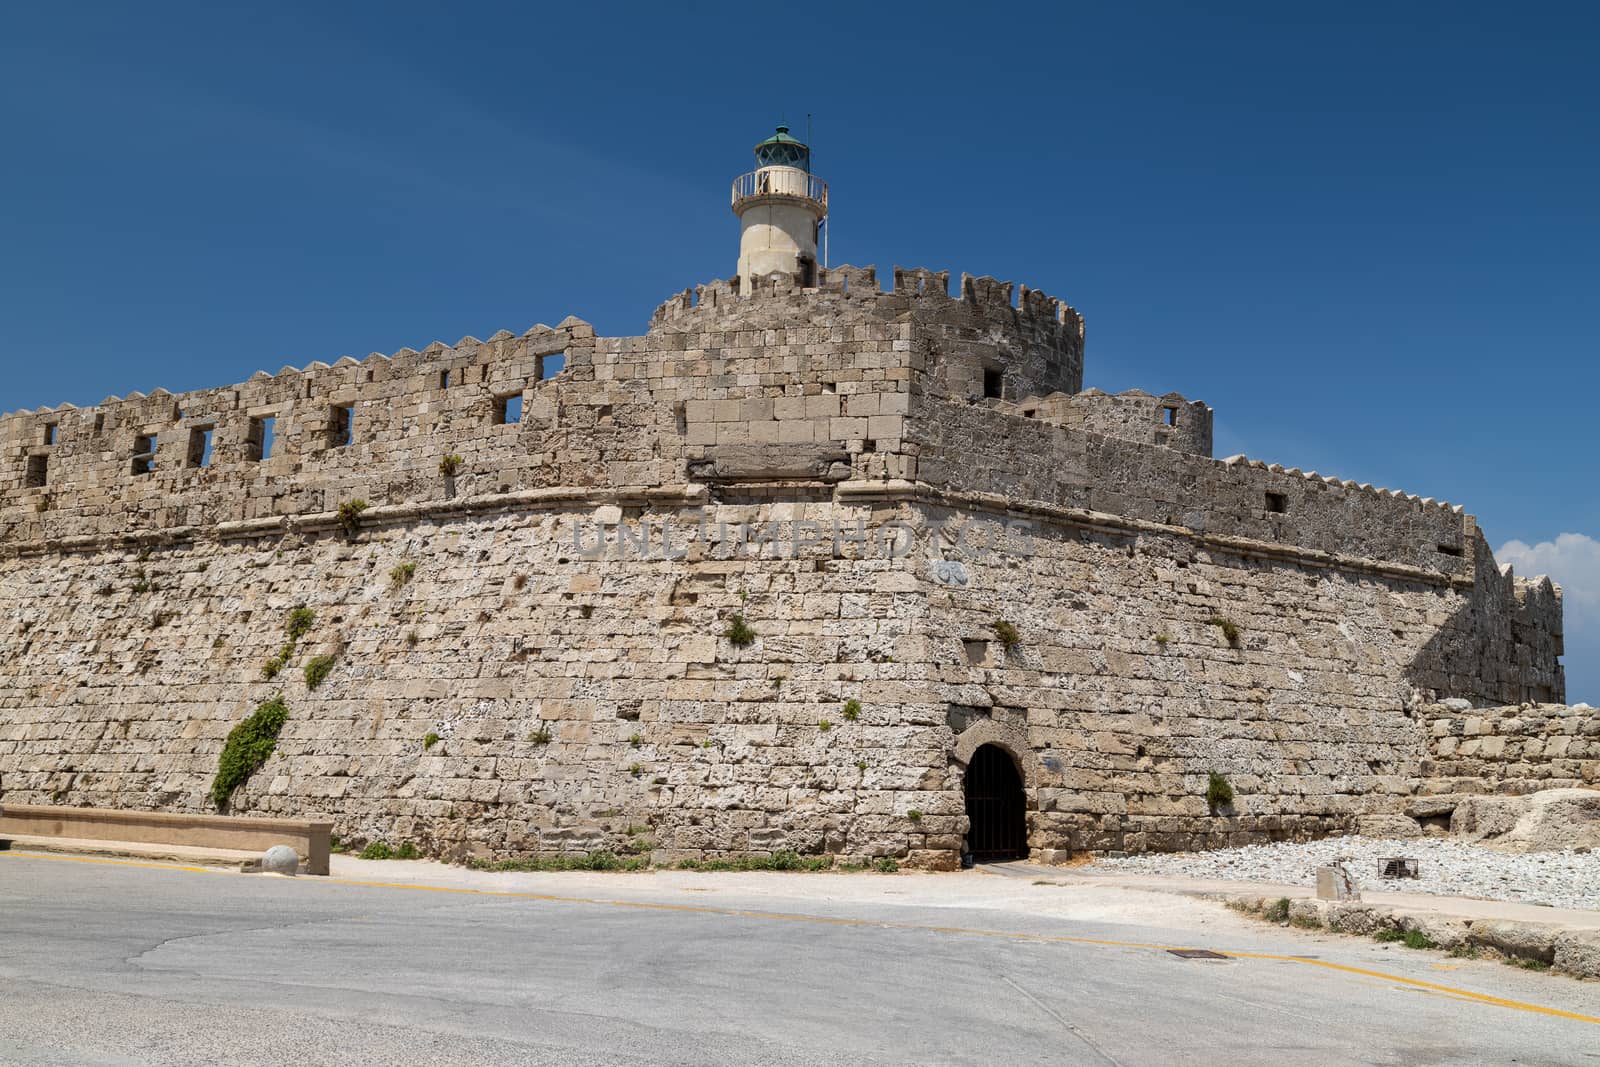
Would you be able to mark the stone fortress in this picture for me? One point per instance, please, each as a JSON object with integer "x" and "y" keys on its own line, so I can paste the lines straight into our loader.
{"x": 824, "y": 561}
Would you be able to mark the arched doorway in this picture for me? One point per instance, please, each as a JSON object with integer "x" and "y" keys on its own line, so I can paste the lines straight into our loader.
{"x": 995, "y": 807}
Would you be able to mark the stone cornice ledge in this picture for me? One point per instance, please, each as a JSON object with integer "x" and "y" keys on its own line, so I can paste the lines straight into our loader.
{"x": 1104, "y": 522}
{"x": 686, "y": 495}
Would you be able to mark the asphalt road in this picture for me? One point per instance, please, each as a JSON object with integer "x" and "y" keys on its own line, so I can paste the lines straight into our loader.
{"x": 107, "y": 963}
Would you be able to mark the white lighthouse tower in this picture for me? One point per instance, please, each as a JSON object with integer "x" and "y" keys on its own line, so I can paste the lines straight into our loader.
{"x": 780, "y": 205}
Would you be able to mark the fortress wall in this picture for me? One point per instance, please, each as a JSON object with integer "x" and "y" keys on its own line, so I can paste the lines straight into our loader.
{"x": 1495, "y": 638}
{"x": 137, "y": 610}
{"x": 126, "y": 671}
{"x": 1517, "y": 749}
{"x": 1033, "y": 340}
{"x": 970, "y": 447}
{"x": 796, "y": 383}
{"x": 1122, "y": 694}
{"x": 1171, "y": 420}
{"x": 129, "y": 667}
{"x": 618, "y": 411}
{"x": 404, "y": 422}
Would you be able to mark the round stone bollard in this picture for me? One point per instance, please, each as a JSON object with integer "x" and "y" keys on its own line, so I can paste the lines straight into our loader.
{"x": 280, "y": 859}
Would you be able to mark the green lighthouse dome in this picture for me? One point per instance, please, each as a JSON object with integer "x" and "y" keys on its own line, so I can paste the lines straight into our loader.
{"x": 781, "y": 150}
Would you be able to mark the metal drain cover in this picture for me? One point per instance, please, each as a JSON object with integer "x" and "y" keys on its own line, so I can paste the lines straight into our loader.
{"x": 1196, "y": 954}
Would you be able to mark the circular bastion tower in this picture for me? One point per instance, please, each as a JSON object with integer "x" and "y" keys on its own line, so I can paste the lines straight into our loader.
{"x": 780, "y": 205}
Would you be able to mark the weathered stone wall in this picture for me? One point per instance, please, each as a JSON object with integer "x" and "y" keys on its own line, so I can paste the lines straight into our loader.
{"x": 588, "y": 701}
{"x": 1170, "y": 421}
{"x": 127, "y": 670}
{"x": 1522, "y": 748}
{"x": 1493, "y": 637}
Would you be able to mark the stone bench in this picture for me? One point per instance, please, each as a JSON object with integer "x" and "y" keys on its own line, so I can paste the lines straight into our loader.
{"x": 309, "y": 838}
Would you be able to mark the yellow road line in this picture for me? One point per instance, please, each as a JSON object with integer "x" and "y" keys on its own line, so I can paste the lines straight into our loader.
{"x": 741, "y": 913}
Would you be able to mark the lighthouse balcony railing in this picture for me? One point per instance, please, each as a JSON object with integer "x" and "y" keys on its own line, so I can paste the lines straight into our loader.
{"x": 780, "y": 181}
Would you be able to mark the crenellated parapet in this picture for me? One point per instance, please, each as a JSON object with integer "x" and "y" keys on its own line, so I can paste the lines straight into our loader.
{"x": 993, "y": 339}
{"x": 298, "y": 440}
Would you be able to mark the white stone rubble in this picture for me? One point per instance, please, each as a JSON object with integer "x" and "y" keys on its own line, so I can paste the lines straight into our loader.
{"x": 1561, "y": 879}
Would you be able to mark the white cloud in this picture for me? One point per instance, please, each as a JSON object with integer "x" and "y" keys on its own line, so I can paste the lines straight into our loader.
{"x": 1572, "y": 561}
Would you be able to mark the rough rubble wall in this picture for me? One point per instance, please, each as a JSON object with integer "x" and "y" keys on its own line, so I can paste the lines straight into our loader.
{"x": 125, "y": 673}
{"x": 1170, "y": 421}
{"x": 1517, "y": 749}
{"x": 1124, "y": 690}
{"x": 128, "y": 669}
{"x": 1494, "y": 639}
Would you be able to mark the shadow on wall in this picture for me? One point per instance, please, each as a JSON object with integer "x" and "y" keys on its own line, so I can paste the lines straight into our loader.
{"x": 1502, "y": 645}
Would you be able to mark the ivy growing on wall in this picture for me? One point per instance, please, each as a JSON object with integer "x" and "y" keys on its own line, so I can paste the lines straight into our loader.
{"x": 248, "y": 746}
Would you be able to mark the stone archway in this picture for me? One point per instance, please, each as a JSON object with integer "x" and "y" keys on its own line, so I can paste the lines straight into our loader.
{"x": 997, "y": 808}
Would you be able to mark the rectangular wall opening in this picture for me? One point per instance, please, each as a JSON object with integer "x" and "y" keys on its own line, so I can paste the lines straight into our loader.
{"x": 341, "y": 425}
{"x": 1277, "y": 503}
{"x": 199, "y": 452}
{"x": 444, "y": 379}
{"x": 258, "y": 445}
{"x": 993, "y": 383}
{"x": 508, "y": 409}
{"x": 38, "y": 472}
{"x": 552, "y": 364}
{"x": 51, "y": 429}
{"x": 144, "y": 453}
{"x": 1451, "y": 550}
{"x": 1171, "y": 415}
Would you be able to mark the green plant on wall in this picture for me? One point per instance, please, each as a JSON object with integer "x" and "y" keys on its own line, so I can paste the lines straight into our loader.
{"x": 739, "y": 631}
{"x": 1007, "y": 633}
{"x": 1230, "y": 629}
{"x": 299, "y": 623}
{"x": 1219, "y": 793}
{"x": 350, "y": 513}
{"x": 317, "y": 668}
{"x": 402, "y": 574}
{"x": 450, "y": 465}
{"x": 296, "y": 626}
{"x": 852, "y": 710}
{"x": 248, "y": 746}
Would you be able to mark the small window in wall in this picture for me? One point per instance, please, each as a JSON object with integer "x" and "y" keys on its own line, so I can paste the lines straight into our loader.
{"x": 99, "y": 424}
{"x": 38, "y": 472}
{"x": 199, "y": 454}
{"x": 1170, "y": 415}
{"x": 508, "y": 409}
{"x": 993, "y": 382}
{"x": 51, "y": 430}
{"x": 341, "y": 425}
{"x": 144, "y": 453}
{"x": 1277, "y": 503}
{"x": 444, "y": 379}
{"x": 1451, "y": 550}
{"x": 258, "y": 445}
{"x": 552, "y": 364}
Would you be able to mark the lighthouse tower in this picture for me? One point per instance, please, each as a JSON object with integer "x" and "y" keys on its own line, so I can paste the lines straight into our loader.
{"x": 780, "y": 205}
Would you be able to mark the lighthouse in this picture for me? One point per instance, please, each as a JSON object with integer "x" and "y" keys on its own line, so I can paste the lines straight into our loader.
{"x": 780, "y": 205}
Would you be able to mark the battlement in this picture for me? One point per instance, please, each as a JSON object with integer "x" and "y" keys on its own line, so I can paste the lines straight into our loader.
{"x": 861, "y": 283}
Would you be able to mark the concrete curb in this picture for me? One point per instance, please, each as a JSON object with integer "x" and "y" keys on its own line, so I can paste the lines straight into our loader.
{"x": 1543, "y": 945}
{"x": 182, "y": 855}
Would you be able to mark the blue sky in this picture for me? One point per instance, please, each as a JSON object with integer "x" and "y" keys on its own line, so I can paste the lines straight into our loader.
{"x": 1366, "y": 234}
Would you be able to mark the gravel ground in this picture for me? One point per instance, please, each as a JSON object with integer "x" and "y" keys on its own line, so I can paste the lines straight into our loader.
{"x": 1449, "y": 868}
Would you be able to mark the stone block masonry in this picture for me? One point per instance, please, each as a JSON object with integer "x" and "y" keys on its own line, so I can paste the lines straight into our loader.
{"x": 1169, "y": 614}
